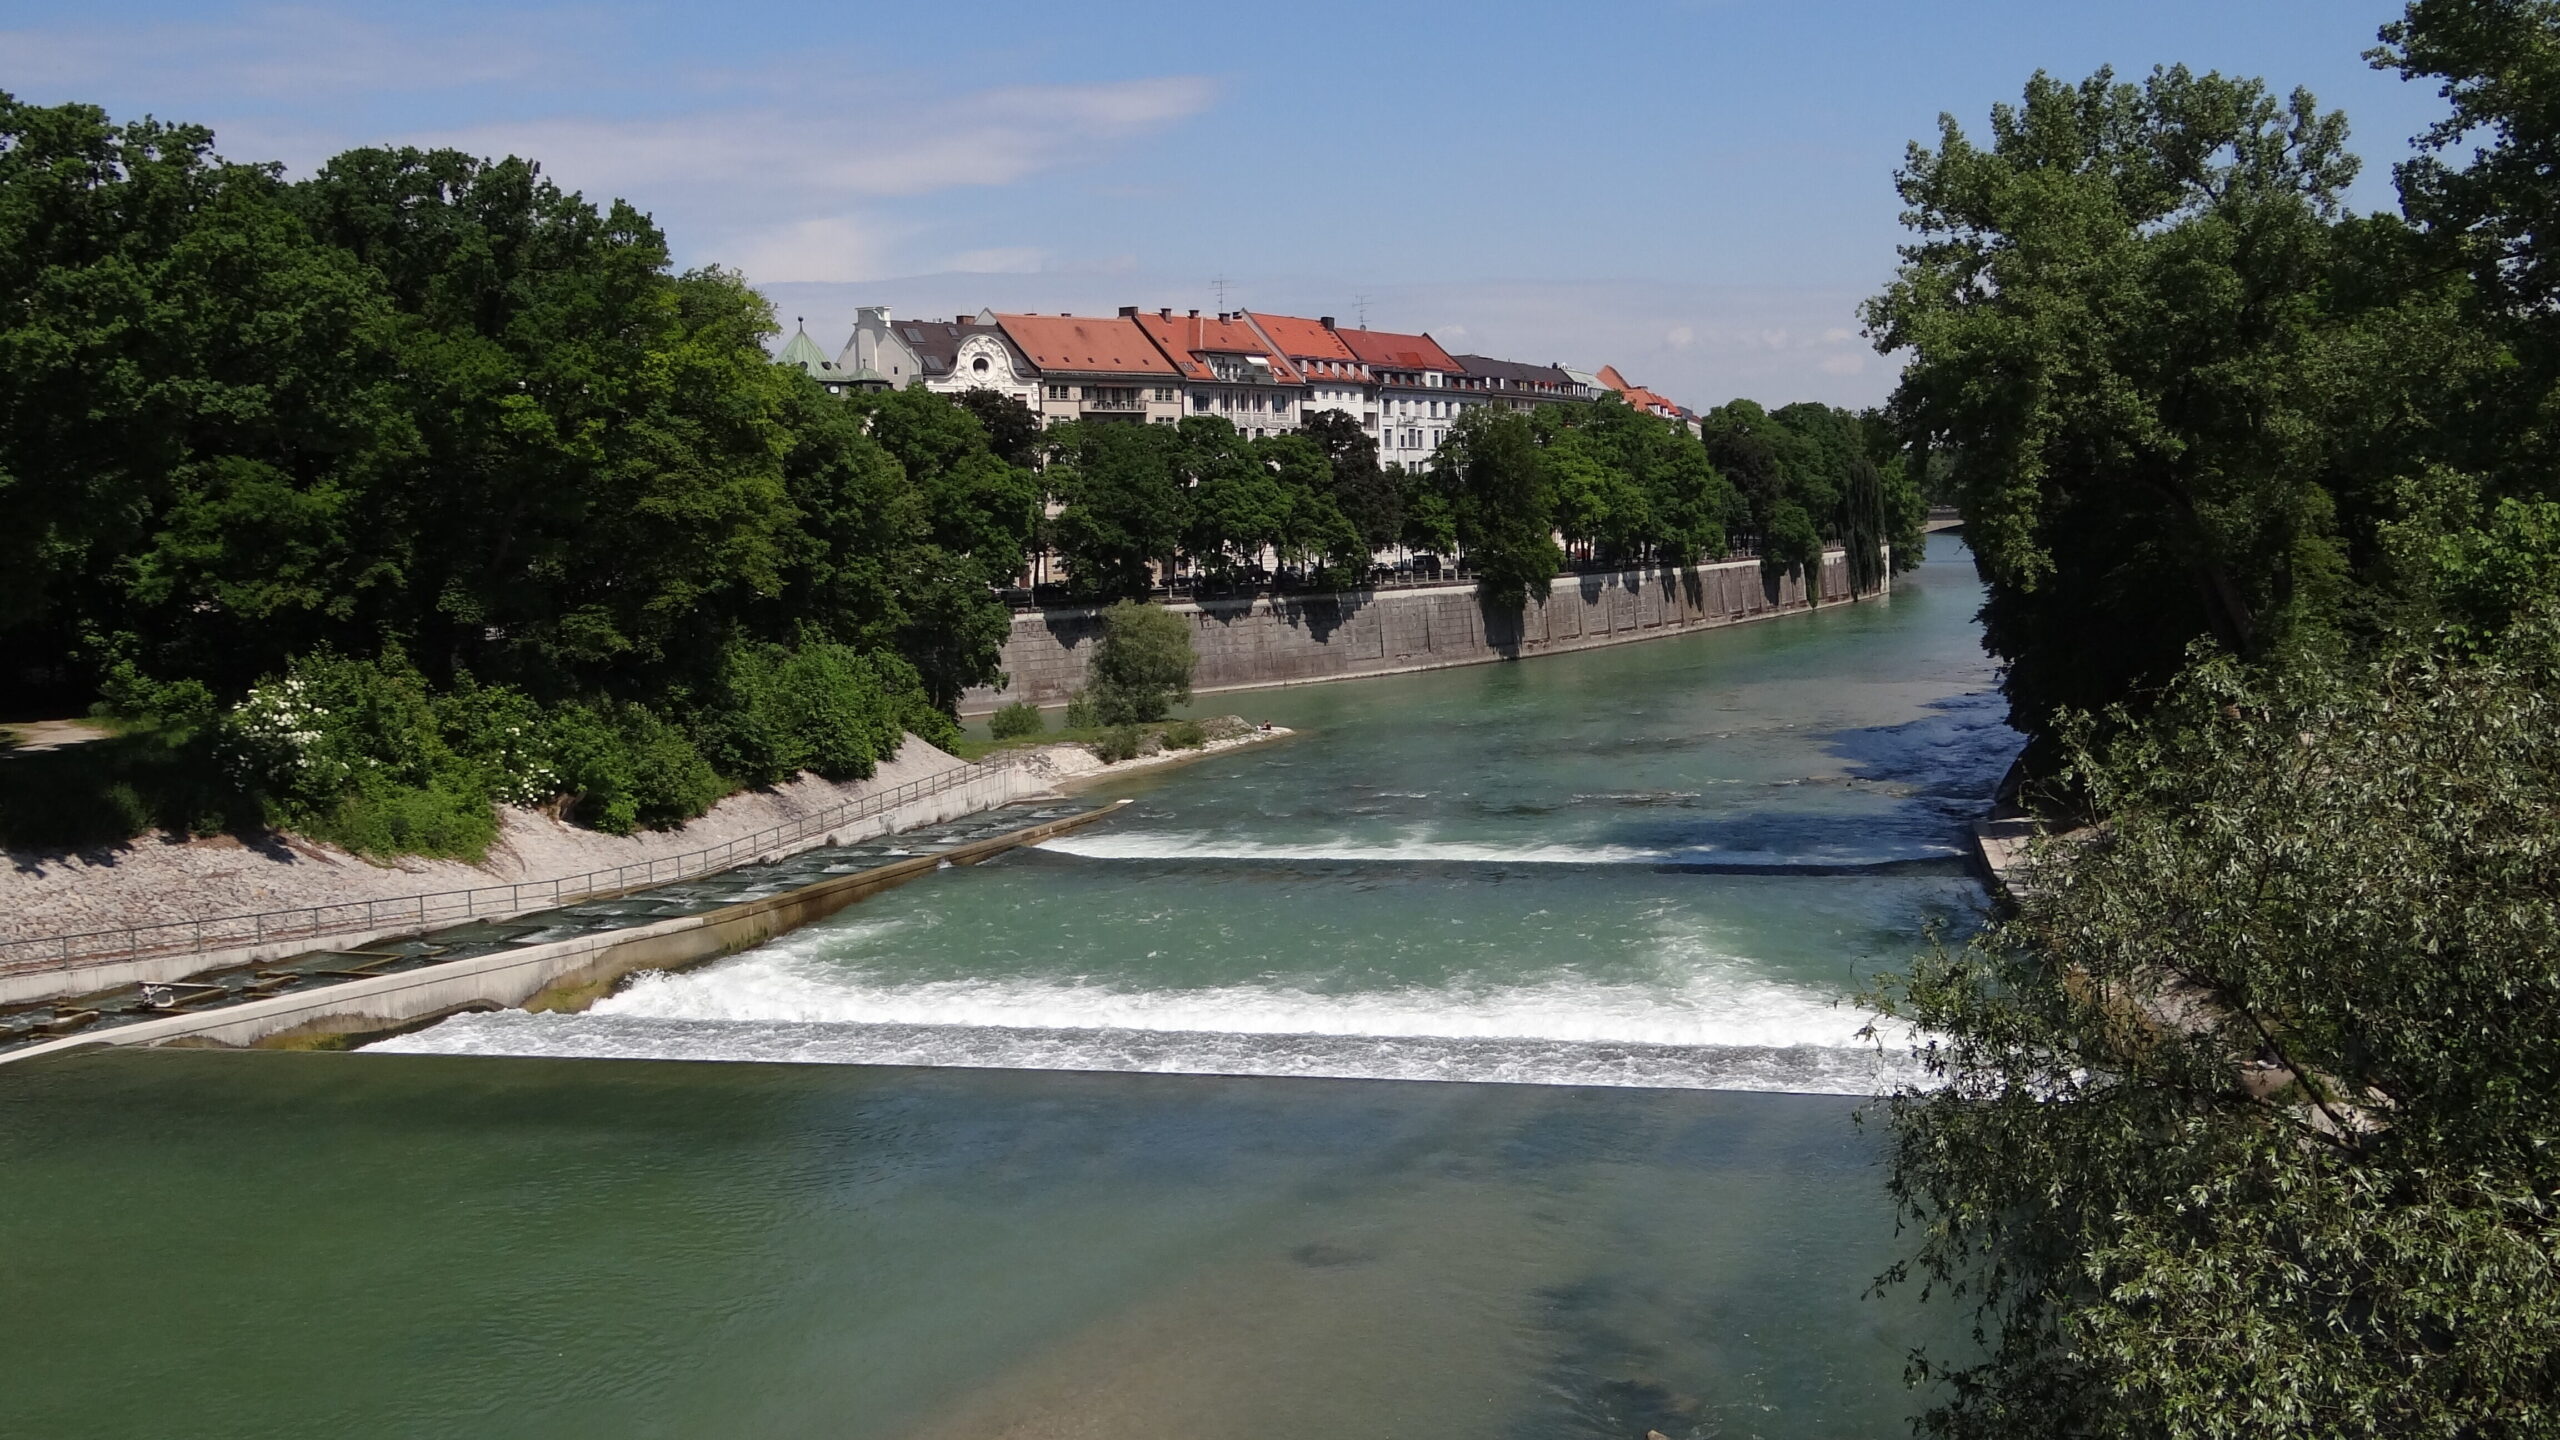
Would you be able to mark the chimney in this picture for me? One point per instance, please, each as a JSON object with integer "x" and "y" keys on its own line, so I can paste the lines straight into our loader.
{"x": 1128, "y": 312}
{"x": 1195, "y": 314}
{"x": 1325, "y": 321}
{"x": 1164, "y": 313}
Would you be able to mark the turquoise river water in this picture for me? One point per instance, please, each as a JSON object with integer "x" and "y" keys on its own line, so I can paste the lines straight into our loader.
{"x": 1117, "y": 1136}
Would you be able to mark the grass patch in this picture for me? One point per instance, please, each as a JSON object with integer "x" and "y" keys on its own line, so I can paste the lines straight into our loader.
{"x": 1167, "y": 734}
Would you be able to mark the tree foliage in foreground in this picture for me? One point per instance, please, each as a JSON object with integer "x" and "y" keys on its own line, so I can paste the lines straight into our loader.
{"x": 2182, "y": 393}
{"x": 2250, "y": 1116}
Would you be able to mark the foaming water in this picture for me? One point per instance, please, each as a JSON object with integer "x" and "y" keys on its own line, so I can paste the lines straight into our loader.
{"x": 1143, "y": 845}
{"x": 1663, "y": 865}
{"x": 1708, "y": 1028}
{"x": 1425, "y": 850}
{"x": 1795, "y": 1069}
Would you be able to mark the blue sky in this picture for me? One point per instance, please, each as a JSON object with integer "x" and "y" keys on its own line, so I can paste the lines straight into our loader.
{"x": 1697, "y": 192}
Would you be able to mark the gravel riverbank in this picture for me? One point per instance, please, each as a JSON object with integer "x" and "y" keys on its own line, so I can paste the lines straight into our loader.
{"x": 159, "y": 877}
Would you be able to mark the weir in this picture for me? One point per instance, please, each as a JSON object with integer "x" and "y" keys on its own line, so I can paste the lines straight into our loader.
{"x": 558, "y": 960}
{"x": 1665, "y": 865}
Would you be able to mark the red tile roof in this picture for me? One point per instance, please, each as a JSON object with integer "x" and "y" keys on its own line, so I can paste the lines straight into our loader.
{"x": 1302, "y": 339}
{"x": 1081, "y": 345}
{"x": 1185, "y": 338}
{"x": 1388, "y": 350}
{"x": 1637, "y": 395}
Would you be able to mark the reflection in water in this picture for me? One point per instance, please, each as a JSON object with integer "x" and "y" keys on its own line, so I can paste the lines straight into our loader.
{"x": 351, "y": 1247}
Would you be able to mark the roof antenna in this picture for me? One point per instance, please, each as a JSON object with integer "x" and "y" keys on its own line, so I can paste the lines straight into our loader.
{"x": 1220, "y": 285}
{"x": 1360, "y": 306}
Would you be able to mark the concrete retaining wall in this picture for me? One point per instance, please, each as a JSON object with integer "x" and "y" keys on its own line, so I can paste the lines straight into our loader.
{"x": 1279, "y": 641}
{"x": 586, "y": 965}
{"x": 996, "y": 786}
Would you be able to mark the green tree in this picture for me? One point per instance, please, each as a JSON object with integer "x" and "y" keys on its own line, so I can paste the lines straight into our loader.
{"x": 1142, "y": 665}
{"x": 597, "y": 491}
{"x": 1428, "y": 499}
{"x": 1125, "y": 509}
{"x": 977, "y": 502}
{"x": 1313, "y": 531}
{"x": 2246, "y": 1122}
{"x": 1014, "y": 432}
{"x": 1359, "y": 489}
{"x": 1506, "y": 505}
{"x": 187, "y": 376}
{"x": 2117, "y": 323}
{"x": 1235, "y": 506}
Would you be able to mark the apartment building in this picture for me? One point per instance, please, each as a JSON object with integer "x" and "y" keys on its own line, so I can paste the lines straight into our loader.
{"x": 1228, "y": 369}
{"x": 1092, "y": 368}
{"x": 1335, "y": 378}
{"x": 1265, "y": 374}
{"x": 962, "y": 353}
{"x": 1484, "y": 380}
{"x": 1415, "y": 384}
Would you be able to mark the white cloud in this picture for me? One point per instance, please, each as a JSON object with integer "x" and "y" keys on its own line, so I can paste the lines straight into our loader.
{"x": 785, "y": 200}
{"x": 1844, "y": 364}
{"x": 996, "y": 260}
{"x": 1680, "y": 337}
{"x": 992, "y": 137}
{"x": 837, "y": 248}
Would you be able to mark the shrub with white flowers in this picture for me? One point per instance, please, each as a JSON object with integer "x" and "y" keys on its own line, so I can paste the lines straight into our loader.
{"x": 277, "y": 739}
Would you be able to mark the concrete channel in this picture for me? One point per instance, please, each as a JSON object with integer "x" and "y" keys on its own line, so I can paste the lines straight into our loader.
{"x": 563, "y": 974}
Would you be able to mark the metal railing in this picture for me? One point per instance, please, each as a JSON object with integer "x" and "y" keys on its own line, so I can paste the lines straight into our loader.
{"x": 449, "y": 907}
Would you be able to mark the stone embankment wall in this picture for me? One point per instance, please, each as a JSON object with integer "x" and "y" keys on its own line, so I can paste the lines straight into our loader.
{"x": 1246, "y": 643}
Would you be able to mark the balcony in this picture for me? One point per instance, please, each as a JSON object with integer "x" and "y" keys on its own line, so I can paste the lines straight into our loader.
{"x": 1124, "y": 404}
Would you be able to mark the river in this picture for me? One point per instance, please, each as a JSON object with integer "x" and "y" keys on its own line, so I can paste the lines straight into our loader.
{"x": 1646, "y": 879}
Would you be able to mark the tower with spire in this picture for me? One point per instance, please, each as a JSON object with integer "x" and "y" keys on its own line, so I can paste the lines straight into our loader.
{"x": 804, "y": 352}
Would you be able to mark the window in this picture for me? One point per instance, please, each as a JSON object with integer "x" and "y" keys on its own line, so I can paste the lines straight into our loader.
{"x": 1059, "y": 392}
{"x": 1279, "y": 404}
{"x": 979, "y": 364}
{"x": 1200, "y": 401}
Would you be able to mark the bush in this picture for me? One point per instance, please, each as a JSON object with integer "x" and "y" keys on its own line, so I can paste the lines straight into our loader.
{"x": 504, "y": 733}
{"x": 1120, "y": 742}
{"x": 451, "y": 819}
{"x": 1082, "y": 713}
{"x": 1185, "y": 735}
{"x": 1143, "y": 666}
{"x": 629, "y": 769}
{"x": 1015, "y": 721}
{"x": 2245, "y": 1111}
{"x": 820, "y": 707}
